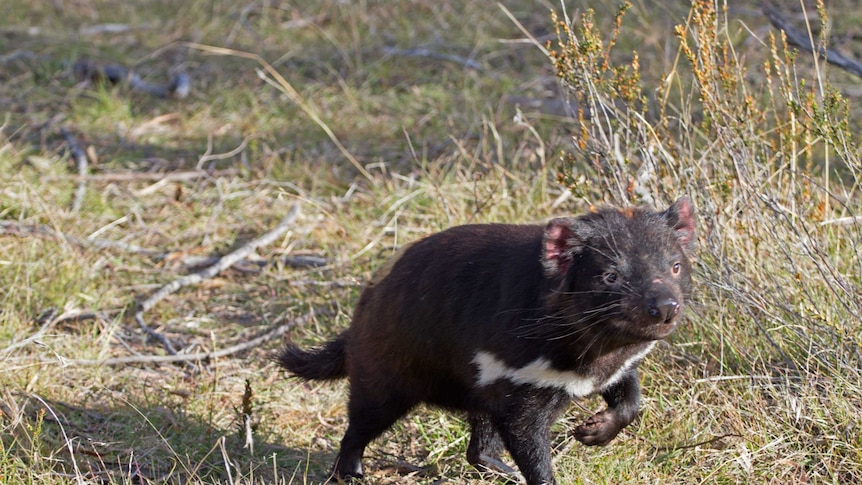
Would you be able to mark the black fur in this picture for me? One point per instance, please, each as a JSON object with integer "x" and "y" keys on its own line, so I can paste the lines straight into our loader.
{"x": 582, "y": 297}
{"x": 322, "y": 363}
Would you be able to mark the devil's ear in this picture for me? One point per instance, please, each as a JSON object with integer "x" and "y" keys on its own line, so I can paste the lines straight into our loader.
{"x": 680, "y": 217}
{"x": 559, "y": 246}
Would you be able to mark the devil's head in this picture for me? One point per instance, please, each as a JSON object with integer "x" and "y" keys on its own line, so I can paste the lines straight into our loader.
{"x": 620, "y": 273}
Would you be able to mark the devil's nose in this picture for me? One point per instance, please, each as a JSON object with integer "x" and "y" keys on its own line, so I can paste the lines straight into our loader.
{"x": 664, "y": 309}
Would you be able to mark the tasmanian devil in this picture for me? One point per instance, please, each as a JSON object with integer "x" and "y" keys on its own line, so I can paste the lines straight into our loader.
{"x": 508, "y": 323}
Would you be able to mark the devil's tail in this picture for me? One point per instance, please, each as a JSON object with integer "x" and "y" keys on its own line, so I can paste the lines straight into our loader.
{"x": 320, "y": 363}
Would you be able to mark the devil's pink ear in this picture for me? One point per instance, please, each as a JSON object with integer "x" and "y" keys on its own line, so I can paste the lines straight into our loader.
{"x": 559, "y": 246}
{"x": 680, "y": 217}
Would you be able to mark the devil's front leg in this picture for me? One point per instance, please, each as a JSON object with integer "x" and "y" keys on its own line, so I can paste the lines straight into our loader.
{"x": 623, "y": 400}
{"x": 485, "y": 447}
{"x": 524, "y": 424}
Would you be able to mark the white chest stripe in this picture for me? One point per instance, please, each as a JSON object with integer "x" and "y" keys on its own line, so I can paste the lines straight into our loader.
{"x": 627, "y": 365}
{"x": 540, "y": 373}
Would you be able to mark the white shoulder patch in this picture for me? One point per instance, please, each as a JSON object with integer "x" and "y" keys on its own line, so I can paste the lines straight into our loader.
{"x": 634, "y": 359}
{"x": 538, "y": 373}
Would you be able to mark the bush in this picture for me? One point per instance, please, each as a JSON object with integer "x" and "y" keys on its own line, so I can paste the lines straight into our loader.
{"x": 774, "y": 170}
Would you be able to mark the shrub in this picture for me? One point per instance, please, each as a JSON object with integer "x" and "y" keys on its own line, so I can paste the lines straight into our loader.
{"x": 774, "y": 170}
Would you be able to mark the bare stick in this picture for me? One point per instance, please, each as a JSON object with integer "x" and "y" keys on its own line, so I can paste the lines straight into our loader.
{"x": 803, "y": 41}
{"x": 169, "y": 347}
{"x": 225, "y": 262}
{"x": 41, "y": 230}
{"x": 430, "y": 54}
{"x": 233, "y": 349}
{"x": 147, "y": 176}
{"x": 100, "y": 29}
{"x": 51, "y": 321}
{"x": 178, "y": 86}
{"x": 685, "y": 446}
{"x": 80, "y": 158}
{"x": 208, "y": 156}
{"x": 843, "y": 221}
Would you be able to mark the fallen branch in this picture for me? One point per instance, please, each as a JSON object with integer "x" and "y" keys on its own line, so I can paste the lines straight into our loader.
{"x": 147, "y": 176}
{"x": 442, "y": 56}
{"x": 298, "y": 261}
{"x": 843, "y": 221}
{"x": 50, "y": 319}
{"x": 100, "y": 29}
{"x": 18, "y": 54}
{"x": 178, "y": 86}
{"x": 804, "y": 41}
{"x": 199, "y": 356}
{"x": 225, "y": 262}
{"x": 80, "y": 156}
{"x": 41, "y": 230}
{"x": 194, "y": 262}
{"x": 686, "y": 446}
{"x": 208, "y": 156}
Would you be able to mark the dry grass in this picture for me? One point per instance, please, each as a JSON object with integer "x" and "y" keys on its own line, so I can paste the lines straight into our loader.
{"x": 763, "y": 386}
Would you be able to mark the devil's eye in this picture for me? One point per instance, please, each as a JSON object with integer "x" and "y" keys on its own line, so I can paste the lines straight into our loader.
{"x": 610, "y": 278}
{"x": 676, "y": 268}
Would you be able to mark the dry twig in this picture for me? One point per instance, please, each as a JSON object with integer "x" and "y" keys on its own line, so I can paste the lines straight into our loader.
{"x": 42, "y": 230}
{"x": 225, "y": 262}
{"x": 685, "y": 446}
{"x": 803, "y": 41}
{"x": 178, "y": 86}
{"x": 432, "y": 54}
{"x": 149, "y": 176}
{"x": 50, "y": 321}
{"x": 199, "y": 356}
{"x": 80, "y": 156}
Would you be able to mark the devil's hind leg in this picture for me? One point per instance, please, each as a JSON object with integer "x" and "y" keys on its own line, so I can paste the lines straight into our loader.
{"x": 370, "y": 414}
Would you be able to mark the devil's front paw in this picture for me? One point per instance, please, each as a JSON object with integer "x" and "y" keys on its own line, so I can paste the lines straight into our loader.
{"x": 599, "y": 429}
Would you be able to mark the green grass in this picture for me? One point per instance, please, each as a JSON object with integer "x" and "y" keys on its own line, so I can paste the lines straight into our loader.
{"x": 761, "y": 385}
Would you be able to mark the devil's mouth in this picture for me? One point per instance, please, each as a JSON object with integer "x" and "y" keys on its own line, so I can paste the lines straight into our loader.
{"x": 646, "y": 331}
{"x": 662, "y": 330}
